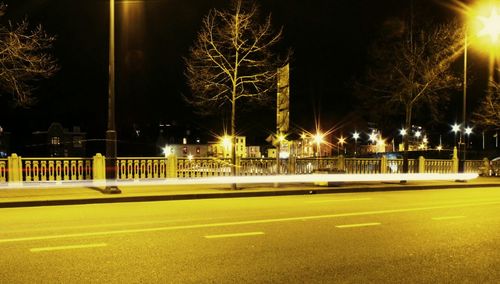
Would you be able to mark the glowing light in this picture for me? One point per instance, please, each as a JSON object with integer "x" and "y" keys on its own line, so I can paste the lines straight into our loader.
{"x": 281, "y": 137}
{"x": 190, "y": 157}
{"x": 491, "y": 25}
{"x": 303, "y": 136}
{"x": 318, "y": 138}
{"x": 468, "y": 130}
{"x": 402, "y": 132}
{"x": 439, "y": 147}
{"x": 425, "y": 140}
{"x": 373, "y": 137}
{"x": 342, "y": 140}
{"x": 355, "y": 135}
{"x": 226, "y": 141}
{"x": 418, "y": 134}
{"x": 167, "y": 150}
{"x": 455, "y": 128}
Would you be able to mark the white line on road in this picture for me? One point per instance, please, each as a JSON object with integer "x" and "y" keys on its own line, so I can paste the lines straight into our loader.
{"x": 249, "y": 222}
{"x": 68, "y": 247}
{"x": 357, "y": 225}
{"x": 234, "y": 235}
{"x": 338, "y": 200}
{"x": 447, "y": 218}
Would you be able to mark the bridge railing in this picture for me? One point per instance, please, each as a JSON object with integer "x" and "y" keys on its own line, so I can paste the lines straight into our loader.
{"x": 20, "y": 169}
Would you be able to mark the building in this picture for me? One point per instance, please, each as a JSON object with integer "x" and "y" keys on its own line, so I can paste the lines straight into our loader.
{"x": 254, "y": 152}
{"x": 223, "y": 148}
{"x": 59, "y": 142}
{"x": 4, "y": 143}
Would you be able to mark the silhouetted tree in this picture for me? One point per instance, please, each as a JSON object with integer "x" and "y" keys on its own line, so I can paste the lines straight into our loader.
{"x": 24, "y": 59}
{"x": 410, "y": 69}
{"x": 232, "y": 61}
{"x": 488, "y": 113}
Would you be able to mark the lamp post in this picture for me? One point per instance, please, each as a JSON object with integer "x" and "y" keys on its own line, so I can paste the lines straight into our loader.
{"x": 340, "y": 144}
{"x": 455, "y": 128}
{"x": 355, "y": 136}
{"x": 111, "y": 130}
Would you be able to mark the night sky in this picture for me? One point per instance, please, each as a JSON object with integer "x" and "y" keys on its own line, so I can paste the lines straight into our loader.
{"x": 329, "y": 41}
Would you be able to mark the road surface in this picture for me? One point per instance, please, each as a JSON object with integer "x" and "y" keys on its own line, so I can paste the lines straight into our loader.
{"x": 449, "y": 236}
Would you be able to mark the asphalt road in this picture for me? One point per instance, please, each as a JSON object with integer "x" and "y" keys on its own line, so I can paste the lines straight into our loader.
{"x": 441, "y": 236}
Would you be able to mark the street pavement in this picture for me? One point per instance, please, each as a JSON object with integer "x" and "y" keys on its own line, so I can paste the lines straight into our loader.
{"x": 136, "y": 191}
{"x": 447, "y": 235}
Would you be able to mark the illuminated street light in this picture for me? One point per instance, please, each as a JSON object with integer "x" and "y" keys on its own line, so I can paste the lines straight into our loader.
{"x": 402, "y": 132}
{"x": 468, "y": 130}
{"x": 373, "y": 137}
{"x": 111, "y": 129}
{"x": 355, "y": 136}
{"x": 167, "y": 150}
{"x": 491, "y": 26}
{"x": 341, "y": 142}
{"x": 418, "y": 134}
{"x": 318, "y": 138}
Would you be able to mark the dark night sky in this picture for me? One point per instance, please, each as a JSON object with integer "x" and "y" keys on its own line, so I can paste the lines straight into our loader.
{"x": 329, "y": 39}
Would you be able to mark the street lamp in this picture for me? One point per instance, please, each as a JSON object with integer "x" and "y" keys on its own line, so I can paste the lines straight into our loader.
{"x": 455, "y": 128}
{"x": 355, "y": 136}
{"x": 111, "y": 130}
{"x": 468, "y": 132}
{"x": 340, "y": 143}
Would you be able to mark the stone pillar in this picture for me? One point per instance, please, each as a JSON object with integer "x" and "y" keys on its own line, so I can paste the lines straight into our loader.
{"x": 421, "y": 165}
{"x": 172, "y": 166}
{"x": 455, "y": 160}
{"x": 341, "y": 161}
{"x": 383, "y": 165}
{"x": 15, "y": 169}
{"x": 99, "y": 167}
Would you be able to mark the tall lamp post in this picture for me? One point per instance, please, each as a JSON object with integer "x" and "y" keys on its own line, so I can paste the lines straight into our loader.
{"x": 355, "y": 136}
{"x": 111, "y": 130}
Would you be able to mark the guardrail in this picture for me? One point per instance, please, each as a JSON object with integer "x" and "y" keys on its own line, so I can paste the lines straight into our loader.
{"x": 19, "y": 169}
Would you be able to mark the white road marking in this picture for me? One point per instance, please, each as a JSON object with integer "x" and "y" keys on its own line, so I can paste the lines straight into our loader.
{"x": 357, "y": 225}
{"x": 447, "y": 217}
{"x": 234, "y": 235}
{"x": 338, "y": 200}
{"x": 249, "y": 222}
{"x": 68, "y": 247}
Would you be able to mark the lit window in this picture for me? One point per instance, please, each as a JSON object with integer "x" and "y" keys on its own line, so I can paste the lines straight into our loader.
{"x": 55, "y": 140}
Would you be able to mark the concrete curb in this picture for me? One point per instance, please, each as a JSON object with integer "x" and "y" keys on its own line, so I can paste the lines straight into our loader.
{"x": 234, "y": 194}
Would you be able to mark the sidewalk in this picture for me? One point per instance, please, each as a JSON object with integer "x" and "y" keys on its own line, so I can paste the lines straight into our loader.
{"x": 134, "y": 192}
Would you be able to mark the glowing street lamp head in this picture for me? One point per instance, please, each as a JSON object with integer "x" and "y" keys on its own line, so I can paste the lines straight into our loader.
{"x": 226, "y": 141}
{"x": 418, "y": 134}
{"x": 468, "y": 130}
{"x": 281, "y": 137}
{"x": 373, "y": 137}
{"x": 402, "y": 132}
{"x": 342, "y": 140}
{"x": 167, "y": 150}
{"x": 318, "y": 138}
{"x": 490, "y": 25}
{"x": 355, "y": 135}
{"x": 455, "y": 128}
{"x": 303, "y": 136}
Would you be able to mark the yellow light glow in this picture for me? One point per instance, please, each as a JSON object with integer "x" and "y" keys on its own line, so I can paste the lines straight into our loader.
{"x": 318, "y": 138}
{"x": 226, "y": 141}
{"x": 490, "y": 25}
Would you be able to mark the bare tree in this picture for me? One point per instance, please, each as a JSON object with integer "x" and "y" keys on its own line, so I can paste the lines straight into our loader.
{"x": 232, "y": 61}
{"x": 413, "y": 70}
{"x": 488, "y": 113}
{"x": 24, "y": 59}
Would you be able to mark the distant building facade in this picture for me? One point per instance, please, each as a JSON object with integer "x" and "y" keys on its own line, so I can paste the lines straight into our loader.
{"x": 59, "y": 142}
{"x": 4, "y": 143}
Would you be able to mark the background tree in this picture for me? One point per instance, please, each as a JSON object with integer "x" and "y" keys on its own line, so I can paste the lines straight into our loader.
{"x": 411, "y": 69}
{"x": 488, "y": 113}
{"x": 24, "y": 59}
{"x": 232, "y": 61}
